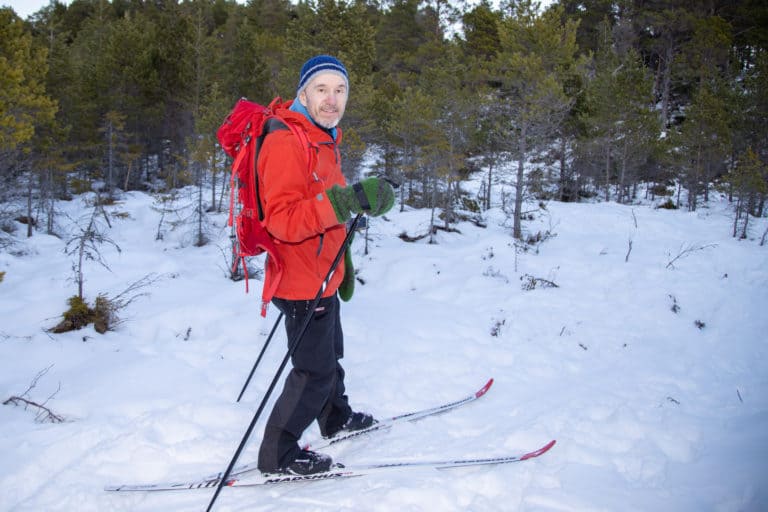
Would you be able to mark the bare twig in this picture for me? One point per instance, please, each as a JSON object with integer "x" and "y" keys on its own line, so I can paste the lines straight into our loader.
{"x": 124, "y": 298}
{"x": 44, "y": 414}
{"x": 686, "y": 251}
{"x": 530, "y": 282}
{"x": 39, "y": 376}
{"x": 108, "y": 307}
{"x": 6, "y": 336}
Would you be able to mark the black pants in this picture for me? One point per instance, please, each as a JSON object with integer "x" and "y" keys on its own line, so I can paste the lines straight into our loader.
{"x": 314, "y": 388}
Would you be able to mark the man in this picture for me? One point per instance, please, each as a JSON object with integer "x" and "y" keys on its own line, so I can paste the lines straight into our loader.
{"x": 306, "y": 214}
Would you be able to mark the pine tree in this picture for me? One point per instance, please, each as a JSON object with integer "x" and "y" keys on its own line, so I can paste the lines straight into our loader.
{"x": 249, "y": 50}
{"x": 538, "y": 52}
{"x": 113, "y": 132}
{"x": 662, "y": 26}
{"x": 618, "y": 117}
{"x": 704, "y": 140}
{"x": 413, "y": 129}
{"x": 591, "y": 15}
{"x": 750, "y": 182}
{"x": 24, "y": 103}
{"x": 399, "y": 35}
{"x": 26, "y": 112}
{"x": 481, "y": 31}
{"x": 752, "y": 130}
{"x": 447, "y": 81}
{"x": 85, "y": 96}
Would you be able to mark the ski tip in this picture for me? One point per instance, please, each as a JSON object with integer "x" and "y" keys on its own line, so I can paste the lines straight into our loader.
{"x": 485, "y": 388}
{"x": 544, "y": 449}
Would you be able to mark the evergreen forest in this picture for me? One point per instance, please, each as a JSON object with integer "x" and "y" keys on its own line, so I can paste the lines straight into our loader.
{"x": 616, "y": 100}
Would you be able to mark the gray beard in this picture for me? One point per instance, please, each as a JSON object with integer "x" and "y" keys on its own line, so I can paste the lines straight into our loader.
{"x": 329, "y": 126}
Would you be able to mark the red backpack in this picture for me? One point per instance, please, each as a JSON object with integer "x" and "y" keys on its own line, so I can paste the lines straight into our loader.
{"x": 241, "y": 135}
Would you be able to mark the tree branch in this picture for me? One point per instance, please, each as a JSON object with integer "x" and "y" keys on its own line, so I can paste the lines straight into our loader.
{"x": 44, "y": 414}
{"x": 686, "y": 251}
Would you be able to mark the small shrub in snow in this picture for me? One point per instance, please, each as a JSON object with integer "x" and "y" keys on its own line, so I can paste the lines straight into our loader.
{"x": 496, "y": 328}
{"x": 675, "y": 308}
{"x": 81, "y": 314}
{"x": 668, "y": 205}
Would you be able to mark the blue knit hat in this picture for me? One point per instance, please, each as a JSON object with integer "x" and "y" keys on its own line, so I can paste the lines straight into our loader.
{"x": 320, "y": 64}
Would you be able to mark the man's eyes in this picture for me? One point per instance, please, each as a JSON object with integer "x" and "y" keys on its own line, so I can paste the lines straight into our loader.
{"x": 324, "y": 90}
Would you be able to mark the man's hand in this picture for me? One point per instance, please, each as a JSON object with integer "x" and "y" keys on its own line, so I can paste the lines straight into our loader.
{"x": 372, "y": 196}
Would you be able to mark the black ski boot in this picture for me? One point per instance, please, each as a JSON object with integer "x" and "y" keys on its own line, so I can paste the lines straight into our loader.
{"x": 308, "y": 462}
{"x": 356, "y": 421}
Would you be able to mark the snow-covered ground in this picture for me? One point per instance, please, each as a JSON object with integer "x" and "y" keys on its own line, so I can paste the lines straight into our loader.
{"x": 652, "y": 411}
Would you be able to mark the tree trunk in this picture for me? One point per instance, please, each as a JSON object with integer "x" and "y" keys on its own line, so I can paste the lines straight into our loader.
{"x": 622, "y": 195}
{"x": 214, "y": 173}
{"x": 50, "y": 196}
{"x": 200, "y": 236}
{"x": 744, "y": 227}
{"x": 110, "y": 157}
{"x": 29, "y": 207}
{"x": 517, "y": 231}
{"x": 694, "y": 181}
{"x": 487, "y": 200}
{"x": 666, "y": 85}
{"x": 564, "y": 178}
{"x": 608, "y": 172}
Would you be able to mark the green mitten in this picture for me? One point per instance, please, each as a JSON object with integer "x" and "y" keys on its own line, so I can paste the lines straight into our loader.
{"x": 373, "y": 196}
{"x": 347, "y": 286}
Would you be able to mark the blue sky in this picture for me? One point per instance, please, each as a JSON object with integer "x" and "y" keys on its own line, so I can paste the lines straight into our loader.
{"x": 24, "y": 8}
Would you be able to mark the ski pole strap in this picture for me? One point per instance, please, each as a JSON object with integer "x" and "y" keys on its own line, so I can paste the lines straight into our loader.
{"x": 361, "y": 197}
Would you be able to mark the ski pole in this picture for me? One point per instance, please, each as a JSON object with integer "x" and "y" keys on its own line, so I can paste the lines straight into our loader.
{"x": 261, "y": 354}
{"x": 291, "y": 350}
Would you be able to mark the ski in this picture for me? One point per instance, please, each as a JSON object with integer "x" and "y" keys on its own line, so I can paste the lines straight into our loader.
{"x": 338, "y": 472}
{"x": 384, "y": 424}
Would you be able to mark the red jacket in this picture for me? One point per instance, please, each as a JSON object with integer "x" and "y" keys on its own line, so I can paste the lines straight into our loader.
{"x": 297, "y": 211}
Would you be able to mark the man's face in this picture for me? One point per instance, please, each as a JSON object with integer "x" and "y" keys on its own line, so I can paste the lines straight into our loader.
{"x": 325, "y": 98}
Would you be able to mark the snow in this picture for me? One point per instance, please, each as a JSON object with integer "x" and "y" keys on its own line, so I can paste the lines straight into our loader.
{"x": 650, "y": 412}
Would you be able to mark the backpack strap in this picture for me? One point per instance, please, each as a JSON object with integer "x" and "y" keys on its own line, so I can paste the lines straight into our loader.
{"x": 273, "y": 124}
